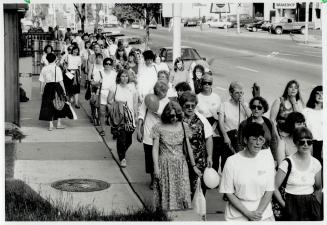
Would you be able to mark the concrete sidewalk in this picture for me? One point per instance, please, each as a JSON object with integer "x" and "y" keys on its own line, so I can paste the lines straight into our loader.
{"x": 77, "y": 152}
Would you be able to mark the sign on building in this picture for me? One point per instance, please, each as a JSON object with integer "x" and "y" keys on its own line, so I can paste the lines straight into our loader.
{"x": 167, "y": 10}
{"x": 285, "y": 5}
{"x": 219, "y": 8}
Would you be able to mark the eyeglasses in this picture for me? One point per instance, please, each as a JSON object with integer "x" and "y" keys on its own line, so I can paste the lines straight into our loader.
{"x": 207, "y": 83}
{"x": 238, "y": 93}
{"x": 259, "y": 139}
{"x": 302, "y": 142}
{"x": 172, "y": 116}
{"x": 108, "y": 64}
{"x": 253, "y": 107}
{"x": 189, "y": 106}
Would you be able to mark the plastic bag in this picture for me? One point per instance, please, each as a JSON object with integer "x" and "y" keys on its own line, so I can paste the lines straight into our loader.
{"x": 199, "y": 201}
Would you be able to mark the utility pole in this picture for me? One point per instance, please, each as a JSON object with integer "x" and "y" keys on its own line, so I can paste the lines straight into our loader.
{"x": 238, "y": 18}
{"x": 306, "y": 22}
{"x": 324, "y": 41}
{"x": 177, "y": 8}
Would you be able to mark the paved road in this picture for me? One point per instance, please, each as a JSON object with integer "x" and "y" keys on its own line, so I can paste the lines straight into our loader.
{"x": 260, "y": 58}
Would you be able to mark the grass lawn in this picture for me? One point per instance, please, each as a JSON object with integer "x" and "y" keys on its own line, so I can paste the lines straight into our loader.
{"x": 24, "y": 204}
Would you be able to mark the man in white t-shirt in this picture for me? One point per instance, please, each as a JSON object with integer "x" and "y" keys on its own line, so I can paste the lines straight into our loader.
{"x": 147, "y": 76}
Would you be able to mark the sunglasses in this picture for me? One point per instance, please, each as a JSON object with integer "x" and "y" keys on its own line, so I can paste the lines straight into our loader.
{"x": 189, "y": 106}
{"x": 253, "y": 107}
{"x": 172, "y": 116}
{"x": 207, "y": 83}
{"x": 108, "y": 64}
{"x": 302, "y": 142}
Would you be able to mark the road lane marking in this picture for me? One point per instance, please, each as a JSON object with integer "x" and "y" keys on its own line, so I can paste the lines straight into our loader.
{"x": 248, "y": 69}
{"x": 220, "y": 88}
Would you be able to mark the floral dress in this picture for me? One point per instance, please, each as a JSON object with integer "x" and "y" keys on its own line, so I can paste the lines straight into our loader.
{"x": 172, "y": 190}
{"x": 198, "y": 144}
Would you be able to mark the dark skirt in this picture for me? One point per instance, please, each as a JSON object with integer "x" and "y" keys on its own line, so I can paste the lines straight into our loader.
{"x": 302, "y": 208}
{"x": 48, "y": 112}
{"x": 149, "y": 167}
{"x": 70, "y": 87}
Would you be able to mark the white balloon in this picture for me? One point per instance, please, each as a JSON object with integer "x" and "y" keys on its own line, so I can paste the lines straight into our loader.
{"x": 211, "y": 178}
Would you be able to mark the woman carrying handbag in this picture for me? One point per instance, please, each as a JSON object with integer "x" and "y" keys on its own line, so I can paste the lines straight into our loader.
{"x": 52, "y": 88}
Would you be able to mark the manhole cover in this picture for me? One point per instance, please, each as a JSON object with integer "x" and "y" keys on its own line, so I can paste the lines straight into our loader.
{"x": 80, "y": 185}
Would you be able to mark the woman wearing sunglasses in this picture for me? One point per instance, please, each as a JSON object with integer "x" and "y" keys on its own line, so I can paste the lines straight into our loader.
{"x": 259, "y": 106}
{"x": 208, "y": 106}
{"x": 201, "y": 138}
{"x": 303, "y": 183}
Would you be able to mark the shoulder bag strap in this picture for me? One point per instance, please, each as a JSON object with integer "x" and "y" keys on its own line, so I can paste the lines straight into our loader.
{"x": 185, "y": 148}
{"x": 289, "y": 168}
{"x": 55, "y": 74}
{"x": 115, "y": 93}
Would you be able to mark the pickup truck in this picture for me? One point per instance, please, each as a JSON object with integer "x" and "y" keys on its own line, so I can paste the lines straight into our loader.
{"x": 288, "y": 24}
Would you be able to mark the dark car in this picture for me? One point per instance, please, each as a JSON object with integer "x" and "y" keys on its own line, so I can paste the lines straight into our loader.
{"x": 244, "y": 19}
{"x": 188, "y": 54}
{"x": 254, "y": 26}
{"x": 191, "y": 22}
{"x": 266, "y": 26}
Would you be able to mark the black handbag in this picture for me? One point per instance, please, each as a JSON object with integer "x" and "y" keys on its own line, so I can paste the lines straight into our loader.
{"x": 276, "y": 207}
{"x": 88, "y": 90}
{"x": 185, "y": 148}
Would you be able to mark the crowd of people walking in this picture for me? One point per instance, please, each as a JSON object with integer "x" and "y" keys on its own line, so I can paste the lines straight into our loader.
{"x": 266, "y": 164}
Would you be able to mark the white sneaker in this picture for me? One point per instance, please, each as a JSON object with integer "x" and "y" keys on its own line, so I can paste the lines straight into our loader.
{"x": 123, "y": 163}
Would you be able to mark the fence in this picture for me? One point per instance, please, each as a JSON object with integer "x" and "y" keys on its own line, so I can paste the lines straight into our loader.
{"x": 33, "y": 44}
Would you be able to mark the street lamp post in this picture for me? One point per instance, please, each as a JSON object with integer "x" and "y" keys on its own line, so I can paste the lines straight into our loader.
{"x": 177, "y": 7}
{"x": 306, "y": 22}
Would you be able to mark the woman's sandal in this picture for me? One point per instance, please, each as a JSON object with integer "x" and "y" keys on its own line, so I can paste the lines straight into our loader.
{"x": 102, "y": 133}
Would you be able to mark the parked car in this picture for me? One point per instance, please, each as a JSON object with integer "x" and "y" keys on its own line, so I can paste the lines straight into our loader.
{"x": 288, "y": 24}
{"x": 188, "y": 54}
{"x": 254, "y": 26}
{"x": 153, "y": 25}
{"x": 190, "y": 22}
{"x": 133, "y": 41}
{"x": 113, "y": 28}
{"x": 136, "y": 25}
{"x": 244, "y": 19}
{"x": 219, "y": 24}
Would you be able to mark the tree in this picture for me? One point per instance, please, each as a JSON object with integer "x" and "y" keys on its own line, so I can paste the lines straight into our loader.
{"x": 80, "y": 10}
{"x": 138, "y": 11}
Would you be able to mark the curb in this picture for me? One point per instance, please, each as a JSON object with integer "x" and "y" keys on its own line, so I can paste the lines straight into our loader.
{"x": 123, "y": 171}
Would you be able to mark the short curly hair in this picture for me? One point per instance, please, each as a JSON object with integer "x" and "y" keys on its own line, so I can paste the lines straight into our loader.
{"x": 166, "y": 114}
{"x": 262, "y": 101}
{"x": 187, "y": 96}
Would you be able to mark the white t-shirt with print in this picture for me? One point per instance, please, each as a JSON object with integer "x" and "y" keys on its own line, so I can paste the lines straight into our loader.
{"x": 248, "y": 179}
{"x": 301, "y": 182}
{"x": 230, "y": 112}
